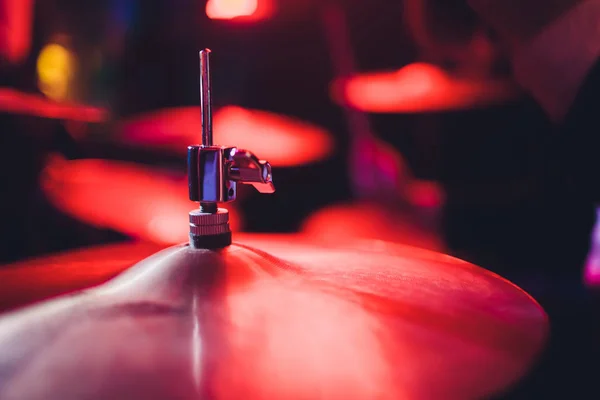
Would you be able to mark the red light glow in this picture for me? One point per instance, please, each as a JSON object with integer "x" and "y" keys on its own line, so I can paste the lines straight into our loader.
{"x": 142, "y": 202}
{"x": 345, "y": 222}
{"x": 16, "y": 21}
{"x": 419, "y": 87}
{"x": 424, "y": 194}
{"x": 284, "y": 141}
{"x": 13, "y": 101}
{"x": 238, "y": 9}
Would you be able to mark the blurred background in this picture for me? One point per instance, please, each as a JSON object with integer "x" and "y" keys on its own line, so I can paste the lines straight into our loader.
{"x": 393, "y": 120}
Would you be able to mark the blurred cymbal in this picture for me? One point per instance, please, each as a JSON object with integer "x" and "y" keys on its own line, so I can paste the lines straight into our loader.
{"x": 15, "y": 102}
{"x": 284, "y": 141}
{"x": 145, "y": 203}
{"x": 363, "y": 220}
{"x": 304, "y": 320}
{"x": 420, "y": 88}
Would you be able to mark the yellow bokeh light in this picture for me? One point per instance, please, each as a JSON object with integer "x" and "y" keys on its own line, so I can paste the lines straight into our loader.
{"x": 55, "y": 69}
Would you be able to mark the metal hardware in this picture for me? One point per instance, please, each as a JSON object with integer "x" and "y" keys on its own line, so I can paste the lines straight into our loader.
{"x": 214, "y": 173}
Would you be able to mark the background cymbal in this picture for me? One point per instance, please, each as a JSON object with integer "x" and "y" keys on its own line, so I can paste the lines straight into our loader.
{"x": 363, "y": 220}
{"x": 14, "y": 101}
{"x": 284, "y": 141}
{"x": 142, "y": 202}
{"x": 361, "y": 320}
{"x": 420, "y": 88}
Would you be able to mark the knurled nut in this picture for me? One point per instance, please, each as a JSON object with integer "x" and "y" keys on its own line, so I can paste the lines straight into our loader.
{"x": 199, "y": 218}
{"x": 209, "y": 230}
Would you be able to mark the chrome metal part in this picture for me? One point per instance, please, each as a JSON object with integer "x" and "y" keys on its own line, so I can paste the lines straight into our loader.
{"x": 247, "y": 168}
{"x": 206, "y": 98}
{"x": 214, "y": 172}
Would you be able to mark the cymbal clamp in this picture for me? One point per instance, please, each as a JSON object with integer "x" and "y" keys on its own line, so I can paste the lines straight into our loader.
{"x": 213, "y": 175}
{"x": 215, "y": 171}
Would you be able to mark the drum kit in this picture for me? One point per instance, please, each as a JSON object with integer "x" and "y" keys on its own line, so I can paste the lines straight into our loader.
{"x": 238, "y": 315}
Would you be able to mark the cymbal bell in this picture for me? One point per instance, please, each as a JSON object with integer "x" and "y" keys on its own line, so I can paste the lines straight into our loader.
{"x": 284, "y": 141}
{"x": 420, "y": 88}
{"x": 145, "y": 203}
{"x": 16, "y": 102}
{"x": 277, "y": 317}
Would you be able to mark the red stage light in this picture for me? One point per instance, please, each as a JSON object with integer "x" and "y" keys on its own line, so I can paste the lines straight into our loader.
{"x": 16, "y": 21}
{"x": 239, "y": 9}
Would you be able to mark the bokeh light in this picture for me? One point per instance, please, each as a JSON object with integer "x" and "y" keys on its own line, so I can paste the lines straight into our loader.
{"x": 56, "y": 67}
{"x": 246, "y": 10}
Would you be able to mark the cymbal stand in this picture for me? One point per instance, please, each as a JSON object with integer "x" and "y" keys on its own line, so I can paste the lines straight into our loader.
{"x": 370, "y": 172}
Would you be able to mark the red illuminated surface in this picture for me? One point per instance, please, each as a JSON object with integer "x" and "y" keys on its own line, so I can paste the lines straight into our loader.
{"x": 361, "y": 320}
{"x": 344, "y": 222}
{"x": 13, "y": 101}
{"x": 241, "y": 10}
{"x": 142, "y": 202}
{"x": 419, "y": 87}
{"x": 16, "y": 22}
{"x": 40, "y": 278}
{"x": 424, "y": 194}
{"x": 283, "y": 141}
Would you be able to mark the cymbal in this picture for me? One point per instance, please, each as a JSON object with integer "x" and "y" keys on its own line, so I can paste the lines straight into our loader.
{"x": 284, "y": 141}
{"x": 13, "y": 101}
{"x": 274, "y": 317}
{"x": 365, "y": 220}
{"x": 420, "y": 88}
{"x": 143, "y": 202}
{"x": 40, "y": 278}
